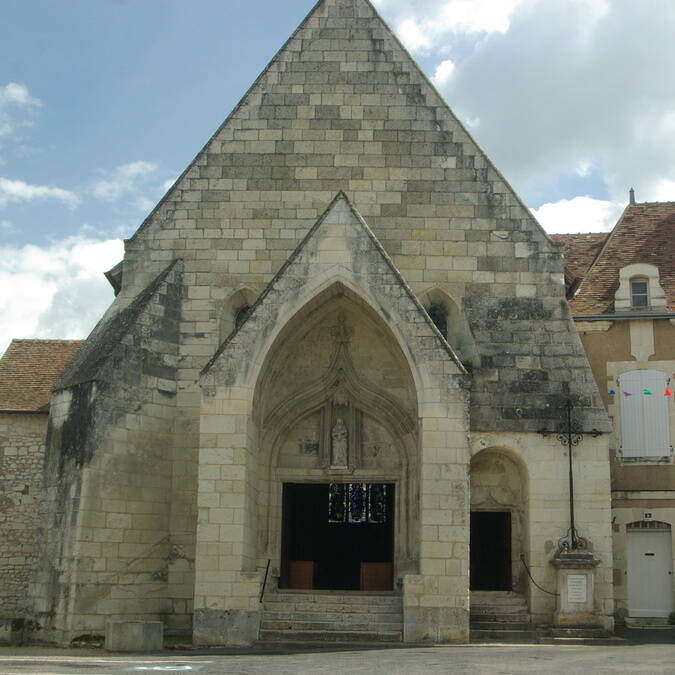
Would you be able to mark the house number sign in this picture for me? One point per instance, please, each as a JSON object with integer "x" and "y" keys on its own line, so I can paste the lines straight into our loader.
{"x": 576, "y": 588}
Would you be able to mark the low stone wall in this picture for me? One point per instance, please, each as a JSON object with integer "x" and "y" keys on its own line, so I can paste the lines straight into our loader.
{"x": 22, "y": 449}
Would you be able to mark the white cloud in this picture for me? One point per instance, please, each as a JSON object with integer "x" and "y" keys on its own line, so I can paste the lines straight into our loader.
{"x": 444, "y": 71}
{"x": 422, "y": 26}
{"x": 664, "y": 191}
{"x": 581, "y": 214}
{"x": 411, "y": 35}
{"x": 575, "y": 85}
{"x": 55, "y": 291}
{"x": 168, "y": 184}
{"x": 20, "y": 191}
{"x": 124, "y": 180}
{"x": 13, "y": 96}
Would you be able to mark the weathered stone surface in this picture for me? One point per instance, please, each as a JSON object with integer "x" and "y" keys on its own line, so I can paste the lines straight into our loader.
{"x": 134, "y": 636}
{"x": 22, "y": 448}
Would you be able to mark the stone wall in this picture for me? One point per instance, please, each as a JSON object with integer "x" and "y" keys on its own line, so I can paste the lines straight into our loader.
{"x": 22, "y": 449}
{"x": 106, "y": 550}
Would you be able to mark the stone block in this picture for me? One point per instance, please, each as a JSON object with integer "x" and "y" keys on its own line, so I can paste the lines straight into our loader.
{"x": 134, "y": 636}
{"x": 11, "y": 631}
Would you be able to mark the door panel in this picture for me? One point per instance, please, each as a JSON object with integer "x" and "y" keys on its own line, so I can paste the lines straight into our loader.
{"x": 650, "y": 579}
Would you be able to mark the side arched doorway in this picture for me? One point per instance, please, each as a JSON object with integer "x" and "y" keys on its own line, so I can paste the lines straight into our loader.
{"x": 335, "y": 407}
{"x": 498, "y": 526}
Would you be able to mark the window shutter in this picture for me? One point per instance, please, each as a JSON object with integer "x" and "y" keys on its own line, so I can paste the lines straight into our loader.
{"x": 644, "y": 418}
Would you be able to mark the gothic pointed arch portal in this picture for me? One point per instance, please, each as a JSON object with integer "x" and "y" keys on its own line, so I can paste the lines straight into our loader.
{"x": 336, "y": 409}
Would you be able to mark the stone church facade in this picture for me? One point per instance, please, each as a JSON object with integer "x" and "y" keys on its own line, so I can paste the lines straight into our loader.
{"x": 335, "y": 342}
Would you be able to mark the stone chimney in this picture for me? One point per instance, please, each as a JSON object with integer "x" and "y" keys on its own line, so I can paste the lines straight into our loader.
{"x": 632, "y": 196}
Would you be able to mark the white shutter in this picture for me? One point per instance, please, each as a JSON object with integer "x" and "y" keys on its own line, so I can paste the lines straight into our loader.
{"x": 644, "y": 418}
{"x": 655, "y": 410}
{"x": 632, "y": 422}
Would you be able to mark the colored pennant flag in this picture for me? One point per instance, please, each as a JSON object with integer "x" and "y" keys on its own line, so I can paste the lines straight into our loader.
{"x": 625, "y": 393}
{"x": 668, "y": 392}
{"x": 612, "y": 392}
{"x": 647, "y": 392}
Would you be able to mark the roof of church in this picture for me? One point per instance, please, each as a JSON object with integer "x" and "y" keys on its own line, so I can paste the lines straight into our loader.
{"x": 28, "y": 371}
{"x": 645, "y": 233}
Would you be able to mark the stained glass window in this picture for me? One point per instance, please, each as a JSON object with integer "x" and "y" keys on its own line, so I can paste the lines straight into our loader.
{"x": 337, "y": 504}
{"x": 357, "y": 503}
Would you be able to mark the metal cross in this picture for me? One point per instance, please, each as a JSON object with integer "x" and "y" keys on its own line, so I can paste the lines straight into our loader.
{"x": 569, "y": 433}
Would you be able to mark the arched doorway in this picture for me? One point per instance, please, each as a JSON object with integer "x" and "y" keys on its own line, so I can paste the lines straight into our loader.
{"x": 498, "y": 527}
{"x": 335, "y": 409}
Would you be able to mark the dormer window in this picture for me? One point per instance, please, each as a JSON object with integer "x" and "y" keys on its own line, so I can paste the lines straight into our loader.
{"x": 639, "y": 289}
{"x": 639, "y": 293}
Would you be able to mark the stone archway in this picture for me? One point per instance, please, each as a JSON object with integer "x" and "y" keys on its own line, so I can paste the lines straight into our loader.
{"x": 336, "y": 366}
{"x": 499, "y": 526}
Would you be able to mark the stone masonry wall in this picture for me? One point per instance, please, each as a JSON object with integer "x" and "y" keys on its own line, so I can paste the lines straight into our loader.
{"x": 22, "y": 450}
{"x": 106, "y": 548}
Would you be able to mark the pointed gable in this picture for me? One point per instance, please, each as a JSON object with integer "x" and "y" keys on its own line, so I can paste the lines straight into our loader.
{"x": 343, "y": 106}
{"x": 339, "y": 249}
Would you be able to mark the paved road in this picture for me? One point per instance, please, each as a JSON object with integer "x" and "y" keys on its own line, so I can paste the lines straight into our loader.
{"x": 473, "y": 659}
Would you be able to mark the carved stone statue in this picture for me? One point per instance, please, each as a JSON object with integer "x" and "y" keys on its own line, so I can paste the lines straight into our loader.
{"x": 339, "y": 445}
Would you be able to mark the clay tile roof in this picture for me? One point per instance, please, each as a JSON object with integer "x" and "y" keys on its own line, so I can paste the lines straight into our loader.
{"x": 580, "y": 252}
{"x": 28, "y": 371}
{"x": 645, "y": 233}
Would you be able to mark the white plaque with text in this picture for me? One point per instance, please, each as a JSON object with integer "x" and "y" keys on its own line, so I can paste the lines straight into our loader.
{"x": 576, "y": 588}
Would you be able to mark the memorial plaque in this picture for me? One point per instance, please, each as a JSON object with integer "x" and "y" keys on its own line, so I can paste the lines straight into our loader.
{"x": 576, "y": 588}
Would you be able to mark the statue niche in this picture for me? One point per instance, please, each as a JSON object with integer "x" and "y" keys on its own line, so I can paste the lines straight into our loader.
{"x": 339, "y": 451}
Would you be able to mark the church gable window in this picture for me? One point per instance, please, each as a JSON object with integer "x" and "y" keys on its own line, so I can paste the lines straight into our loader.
{"x": 240, "y": 315}
{"x": 439, "y": 316}
{"x": 644, "y": 414}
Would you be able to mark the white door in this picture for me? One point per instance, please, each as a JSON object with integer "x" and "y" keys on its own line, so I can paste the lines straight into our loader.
{"x": 650, "y": 573}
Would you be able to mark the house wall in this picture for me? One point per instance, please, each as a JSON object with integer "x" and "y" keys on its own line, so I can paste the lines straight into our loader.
{"x": 643, "y": 486}
{"x": 22, "y": 450}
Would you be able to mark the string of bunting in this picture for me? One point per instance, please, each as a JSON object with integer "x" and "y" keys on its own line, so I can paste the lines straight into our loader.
{"x": 646, "y": 392}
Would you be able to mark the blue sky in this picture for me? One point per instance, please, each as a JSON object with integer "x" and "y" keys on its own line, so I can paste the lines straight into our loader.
{"x": 104, "y": 102}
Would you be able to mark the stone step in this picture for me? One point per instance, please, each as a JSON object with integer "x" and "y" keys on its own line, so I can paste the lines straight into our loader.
{"x": 304, "y": 626}
{"x": 351, "y": 597}
{"x": 501, "y": 625}
{"x": 336, "y": 617}
{"x": 579, "y": 632}
{"x": 509, "y": 600}
{"x": 498, "y": 611}
{"x": 267, "y": 636}
{"x": 597, "y": 642}
{"x": 505, "y": 636}
{"x": 347, "y": 608}
{"x": 647, "y": 622}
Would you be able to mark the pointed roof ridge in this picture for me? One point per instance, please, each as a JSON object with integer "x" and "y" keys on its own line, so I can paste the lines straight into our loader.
{"x": 340, "y": 196}
{"x": 106, "y": 335}
{"x": 442, "y": 102}
{"x": 233, "y": 112}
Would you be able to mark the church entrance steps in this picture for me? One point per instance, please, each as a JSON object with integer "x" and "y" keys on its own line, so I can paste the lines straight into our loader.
{"x": 501, "y": 616}
{"x": 331, "y": 616}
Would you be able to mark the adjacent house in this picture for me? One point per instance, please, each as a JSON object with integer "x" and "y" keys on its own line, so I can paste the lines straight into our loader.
{"x": 28, "y": 371}
{"x": 622, "y": 294}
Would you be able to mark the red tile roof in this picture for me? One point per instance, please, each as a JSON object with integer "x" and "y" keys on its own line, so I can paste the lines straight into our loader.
{"x": 580, "y": 252}
{"x": 28, "y": 371}
{"x": 645, "y": 233}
